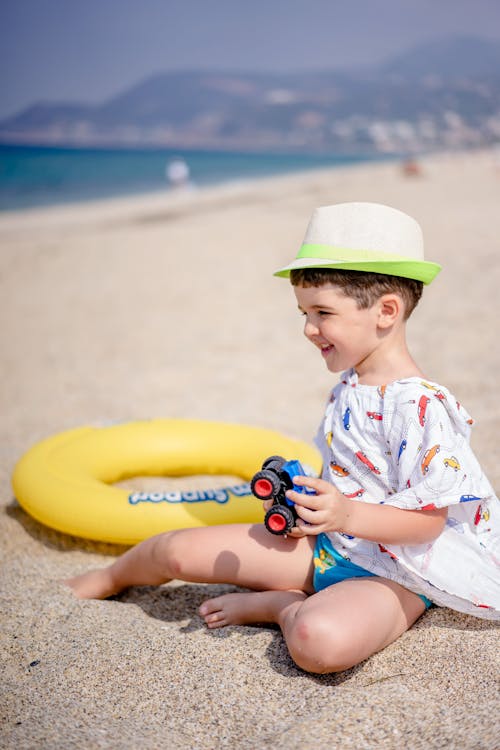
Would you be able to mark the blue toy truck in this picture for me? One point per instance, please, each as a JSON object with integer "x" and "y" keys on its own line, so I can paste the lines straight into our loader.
{"x": 272, "y": 481}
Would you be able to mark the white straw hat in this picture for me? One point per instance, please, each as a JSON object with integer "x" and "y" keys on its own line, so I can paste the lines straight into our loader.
{"x": 364, "y": 237}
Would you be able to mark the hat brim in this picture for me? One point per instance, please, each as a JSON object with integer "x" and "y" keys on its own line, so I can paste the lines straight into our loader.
{"x": 420, "y": 270}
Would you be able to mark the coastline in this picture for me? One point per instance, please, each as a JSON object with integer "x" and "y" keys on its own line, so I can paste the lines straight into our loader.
{"x": 165, "y": 306}
{"x": 38, "y": 177}
{"x": 151, "y": 200}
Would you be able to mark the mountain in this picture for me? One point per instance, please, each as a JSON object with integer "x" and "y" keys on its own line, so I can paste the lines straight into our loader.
{"x": 443, "y": 93}
{"x": 451, "y": 59}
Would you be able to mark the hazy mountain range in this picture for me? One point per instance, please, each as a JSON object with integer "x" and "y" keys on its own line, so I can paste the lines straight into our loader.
{"x": 444, "y": 93}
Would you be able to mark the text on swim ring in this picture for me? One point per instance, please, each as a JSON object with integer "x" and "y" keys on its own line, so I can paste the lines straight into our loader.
{"x": 220, "y": 495}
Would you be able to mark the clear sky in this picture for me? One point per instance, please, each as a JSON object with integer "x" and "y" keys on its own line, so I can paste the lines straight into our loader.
{"x": 88, "y": 50}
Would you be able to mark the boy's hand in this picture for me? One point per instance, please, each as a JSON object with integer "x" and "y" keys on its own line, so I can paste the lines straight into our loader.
{"x": 327, "y": 510}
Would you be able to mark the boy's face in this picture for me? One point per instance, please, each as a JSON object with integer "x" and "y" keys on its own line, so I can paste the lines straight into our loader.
{"x": 346, "y": 335}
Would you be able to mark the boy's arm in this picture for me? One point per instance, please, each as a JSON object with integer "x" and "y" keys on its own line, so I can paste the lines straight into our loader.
{"x": 389, "y": 525}
{"x": 330, "y": 510}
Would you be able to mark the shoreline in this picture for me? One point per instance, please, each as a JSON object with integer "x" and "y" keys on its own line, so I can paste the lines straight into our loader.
{"x": 159, "y": 204}
{"x": 221, "y": 169}
{"x": 204, "y": 193}
{"x": 226, "y": 189}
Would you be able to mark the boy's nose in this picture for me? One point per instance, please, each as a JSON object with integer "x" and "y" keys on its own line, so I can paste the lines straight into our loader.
{"x": 310, "y": 329}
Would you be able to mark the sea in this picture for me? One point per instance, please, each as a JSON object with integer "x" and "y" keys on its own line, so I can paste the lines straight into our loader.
{"x": 33, "y": 176}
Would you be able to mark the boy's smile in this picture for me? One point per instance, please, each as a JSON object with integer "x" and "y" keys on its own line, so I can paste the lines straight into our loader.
{"x": 346, "y": 335}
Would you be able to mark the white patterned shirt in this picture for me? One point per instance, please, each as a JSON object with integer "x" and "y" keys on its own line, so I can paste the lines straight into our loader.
{"x": 407, "y": 445}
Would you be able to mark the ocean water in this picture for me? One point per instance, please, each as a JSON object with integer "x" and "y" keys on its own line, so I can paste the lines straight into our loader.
{"x": 39, "y": 176}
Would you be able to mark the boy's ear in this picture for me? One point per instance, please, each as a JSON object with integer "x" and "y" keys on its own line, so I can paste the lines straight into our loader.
{"x": 390, "y": 308}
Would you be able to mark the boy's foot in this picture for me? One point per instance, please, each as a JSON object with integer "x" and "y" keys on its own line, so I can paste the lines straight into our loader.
{"x": 95, "y": 584}
{"x": 247, "y": 608}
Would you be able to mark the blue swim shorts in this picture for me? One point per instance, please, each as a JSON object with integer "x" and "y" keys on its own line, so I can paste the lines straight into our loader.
{"x": 330, "y": 567}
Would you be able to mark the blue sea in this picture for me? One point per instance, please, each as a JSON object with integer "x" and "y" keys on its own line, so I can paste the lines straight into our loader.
{"x": 33, "y": 176}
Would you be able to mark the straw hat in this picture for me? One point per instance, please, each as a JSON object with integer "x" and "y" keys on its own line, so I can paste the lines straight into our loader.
{"x": 364, "y": 237}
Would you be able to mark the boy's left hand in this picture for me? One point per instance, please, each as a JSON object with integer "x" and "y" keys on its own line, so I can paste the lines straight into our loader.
{"x": 327, "y": 510}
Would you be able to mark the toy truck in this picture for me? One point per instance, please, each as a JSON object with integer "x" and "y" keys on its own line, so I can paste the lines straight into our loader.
{"x": 272, "y": 481}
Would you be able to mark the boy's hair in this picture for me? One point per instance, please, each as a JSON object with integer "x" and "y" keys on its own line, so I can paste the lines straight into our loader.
{"x": 364, "y": 287}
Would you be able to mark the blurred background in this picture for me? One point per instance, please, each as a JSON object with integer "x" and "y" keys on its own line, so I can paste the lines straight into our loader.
{"x": 110, "y": 97}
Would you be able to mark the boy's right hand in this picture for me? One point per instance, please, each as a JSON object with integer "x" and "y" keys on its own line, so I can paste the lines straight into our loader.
{"x": 326, "y": 510}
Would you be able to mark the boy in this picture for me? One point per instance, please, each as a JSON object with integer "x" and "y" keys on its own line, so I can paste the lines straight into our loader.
{"x": 402, "y": 514}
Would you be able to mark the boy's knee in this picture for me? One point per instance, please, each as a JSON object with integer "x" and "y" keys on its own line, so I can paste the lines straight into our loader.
{"x": 171, "y": 550}
{"x": 316, "y": 646}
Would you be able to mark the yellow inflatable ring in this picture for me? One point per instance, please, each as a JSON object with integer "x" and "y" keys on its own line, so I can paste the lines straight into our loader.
{"x": 66, "y": 480}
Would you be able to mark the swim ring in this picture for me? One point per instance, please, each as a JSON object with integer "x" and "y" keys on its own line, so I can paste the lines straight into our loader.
{"x": 66, "y": 481}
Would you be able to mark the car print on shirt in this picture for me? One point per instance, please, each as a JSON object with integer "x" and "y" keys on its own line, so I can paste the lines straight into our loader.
{"x": 482, "y": 514}
{"x": 452, "y": 463}
{"x": 346, "y": 419}
{"x": 438, "y": 394}
{"x": 388, "y": 552}
{"x": 364, "y": 459}
{"x": 428, "y": 456}
{"x": 359, "y": 493}
{"x": 469, "y": 421}
{"x": 455, "y": 525}
{"x": 477, "y": 603}
{"x": 422, "y": 408}
{"x": 402, "y": 447}
{"x": 469, "y": 498}
{"x": 374, "y": 415}
{"x": 338, "y": 470}
{"x": 428, "y": 385}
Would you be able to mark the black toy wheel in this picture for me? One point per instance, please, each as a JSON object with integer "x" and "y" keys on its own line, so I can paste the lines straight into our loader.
{"x": 265, "y": 484}
{"x": 274, "y": 462}
{"x": 279, "y": 519}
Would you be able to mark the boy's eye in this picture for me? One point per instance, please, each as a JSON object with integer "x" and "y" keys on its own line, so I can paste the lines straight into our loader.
{"x": 321, "y": 313}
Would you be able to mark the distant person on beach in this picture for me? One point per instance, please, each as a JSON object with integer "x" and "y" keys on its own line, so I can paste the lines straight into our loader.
{"x": 411, "y": 168}
{"x": 403, "y": 517}
{"x": 177, "y": 173}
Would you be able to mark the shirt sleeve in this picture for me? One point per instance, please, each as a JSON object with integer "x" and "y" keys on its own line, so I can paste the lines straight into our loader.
{"x": 433, "y": 465}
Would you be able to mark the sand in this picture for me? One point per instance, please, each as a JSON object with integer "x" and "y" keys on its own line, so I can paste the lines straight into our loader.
{"x": 165, "y": 306}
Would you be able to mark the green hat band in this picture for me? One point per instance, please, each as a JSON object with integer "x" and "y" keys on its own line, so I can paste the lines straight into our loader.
{"x": 329, "y": 256}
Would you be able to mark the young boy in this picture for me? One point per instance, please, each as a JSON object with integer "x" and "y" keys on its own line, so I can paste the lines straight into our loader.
{"x": 402, "y": 515}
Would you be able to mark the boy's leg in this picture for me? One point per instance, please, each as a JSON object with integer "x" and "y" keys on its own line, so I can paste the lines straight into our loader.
{"x": 243, "y": 554}
{"x": 330, "y": 631}
{"x": 347, "y": 622}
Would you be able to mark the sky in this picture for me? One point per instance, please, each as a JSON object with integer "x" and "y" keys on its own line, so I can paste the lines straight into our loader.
{"x": 89, "y": 50}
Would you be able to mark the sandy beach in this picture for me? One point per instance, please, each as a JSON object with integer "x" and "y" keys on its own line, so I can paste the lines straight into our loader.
{"x": 165, "y": 306}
